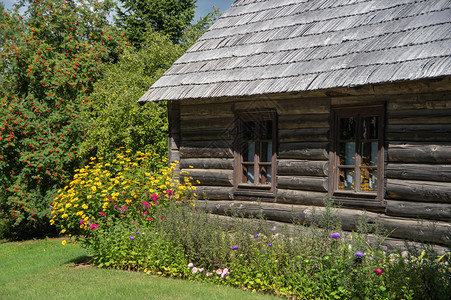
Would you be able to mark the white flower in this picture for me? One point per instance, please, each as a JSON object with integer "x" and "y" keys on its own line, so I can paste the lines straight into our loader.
{"x": 190, "y": 265}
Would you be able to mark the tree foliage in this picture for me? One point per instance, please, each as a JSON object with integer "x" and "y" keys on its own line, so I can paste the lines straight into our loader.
{"x": 52, "y": 55}
{"x": 120, "y": 120}
{"x": 169, "y": 17}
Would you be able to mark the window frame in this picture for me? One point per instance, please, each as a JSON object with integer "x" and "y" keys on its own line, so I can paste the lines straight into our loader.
{"x": 254, "y": 189}
{"x": 353, "y": 197}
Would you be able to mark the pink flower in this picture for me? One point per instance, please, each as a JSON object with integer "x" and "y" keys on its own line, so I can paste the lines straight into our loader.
{"x": 219, "y": 271}
{"x": 146, "y": 204}
{"x": 94, "y": 226}
{"x": 150, "y": 219}
{"x": 162, "y": 218}
{"x": 144, "y": 213}
{"x": 225, "y": 271}
{"x": 190, "y": 265}
{"x": 169, "y": 192}
{"x": 208, "y": 274}
{"x": 378, "y": 271}
{"x": 102, "y": 214}
{"x": 82, "y": 221}
{"x": 201, "y": 269}
{"x": 223, "y": 275}
{"x": 194, "y": 270}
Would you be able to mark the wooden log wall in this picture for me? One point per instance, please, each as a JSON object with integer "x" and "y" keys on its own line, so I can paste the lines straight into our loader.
{"x": 206, "y": 147}
{"x": 417, "y": 157}
{"x": 418, "y": 164}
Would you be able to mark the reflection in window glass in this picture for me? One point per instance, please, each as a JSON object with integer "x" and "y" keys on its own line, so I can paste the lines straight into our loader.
{"x": 368, "y": 180}
{"x": 369, "y": 154}
{"x": 369, "y": 128}
{"x": 248, "y": 174}
{"x": 249, "y": 152}
{"x": 265, "y": 175}
{"x": 346, "y": 179}
{"x": 347, "y": 128}
{"x": 347, "y": 153}
{"x": 265, "y": 151}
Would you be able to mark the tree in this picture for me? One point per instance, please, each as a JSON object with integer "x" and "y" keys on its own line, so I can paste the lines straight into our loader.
{"x": 52, "y": 55}
{"x": 120, "y": 120}
{"x": 169, "y": 17}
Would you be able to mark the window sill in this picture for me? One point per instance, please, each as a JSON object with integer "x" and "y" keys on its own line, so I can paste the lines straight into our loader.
{"x": 254, "y": 190}
{"x": 369, "y": 201}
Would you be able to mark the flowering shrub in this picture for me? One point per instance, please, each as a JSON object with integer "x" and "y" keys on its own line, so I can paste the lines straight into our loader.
{"x": 105, "y": 196}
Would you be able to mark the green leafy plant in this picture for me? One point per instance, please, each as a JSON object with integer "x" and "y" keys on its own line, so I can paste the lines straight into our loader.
{"x": 52, "y": 54}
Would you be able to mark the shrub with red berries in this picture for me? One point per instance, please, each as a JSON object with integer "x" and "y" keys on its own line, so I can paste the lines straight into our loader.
{"x": 52, "y": 54}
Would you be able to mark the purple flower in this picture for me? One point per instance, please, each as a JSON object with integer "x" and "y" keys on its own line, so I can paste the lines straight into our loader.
{"x": 359, "y": 253}
{"x": 269, "y": 244}
{"x": 132, "y": 237}
{"x": 371, "y": 258}
{"x": 235, "y": 247}
{"x": 137, "y": 232}
{"x": 335, "y": 235}
{"x": 256, "y": 235}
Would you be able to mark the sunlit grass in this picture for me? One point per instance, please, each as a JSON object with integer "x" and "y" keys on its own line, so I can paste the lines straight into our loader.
{"x": 45, "y": 269}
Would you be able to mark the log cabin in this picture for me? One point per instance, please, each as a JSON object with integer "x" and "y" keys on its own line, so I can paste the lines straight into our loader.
{"x": 282, "y": 104}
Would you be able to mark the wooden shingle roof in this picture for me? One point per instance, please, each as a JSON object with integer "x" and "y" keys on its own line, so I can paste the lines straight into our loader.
{"x": 279, "y": 46}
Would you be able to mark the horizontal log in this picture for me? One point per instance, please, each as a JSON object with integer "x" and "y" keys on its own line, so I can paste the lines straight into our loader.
{"x": 423, "y": 191}
{"x": 308, "y": 150}
{"x": 288, "y": 106}
{"x": 207, "y": 163}
{"x": 420, "y": 101}
{"x": 429, "y": 231}
{"x": 308, "y": 183}
{"x": 423, "y": 132}
{"x": 214, "y": 149}
{"x": 427, "y": 172}
{"x": 419, "y": 152}
{"x": 300, "y": 197}
{"x": 303, "y": 167}
{"x": 420, "y": 210}
{"x": 211, "y": 177}
{"x": 419, "y": 116}
{"x": 199, "y": 111}
{"x": 304, "y": 135}
{"x": 214, "y": 192}
{"x": 304, "y": 121}
{"x": 212, "y": 122}
{"x": 208, "y": 134}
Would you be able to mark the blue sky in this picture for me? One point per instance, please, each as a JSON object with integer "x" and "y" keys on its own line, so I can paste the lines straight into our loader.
{"x": 203, "y": 6}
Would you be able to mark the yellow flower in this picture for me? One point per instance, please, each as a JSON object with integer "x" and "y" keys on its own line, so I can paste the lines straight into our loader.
{"x": 64, "y": 242}
{"x": 84, "y": 206}
{"x": 64, "y": 216}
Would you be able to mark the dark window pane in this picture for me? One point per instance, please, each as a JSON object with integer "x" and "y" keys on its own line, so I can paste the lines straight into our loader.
{"x": 266, "y": 130}
{"x": 347, "y": 128}
{"x": 347, "y": 154}
{"x": 368, "y": 180}
{"x": 369, "y": 154}
{"x": 346, "y": 180}
{"x": 249, "y": 131}
{"x": 369, "y": 128}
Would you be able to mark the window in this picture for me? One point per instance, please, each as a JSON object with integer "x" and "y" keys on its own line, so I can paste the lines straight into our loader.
{"x": 255, "y": 153}
{"x": 358, "y": 152}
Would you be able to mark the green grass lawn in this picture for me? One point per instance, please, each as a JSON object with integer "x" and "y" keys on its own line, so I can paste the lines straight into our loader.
{"x": 45, "y": 269}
